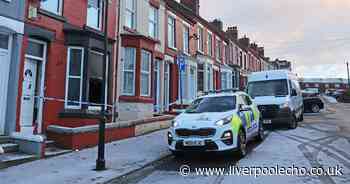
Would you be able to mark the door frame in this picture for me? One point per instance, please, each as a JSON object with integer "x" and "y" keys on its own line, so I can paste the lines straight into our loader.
{"x": 9, "y": 53}
{"x": 42, "y": 80}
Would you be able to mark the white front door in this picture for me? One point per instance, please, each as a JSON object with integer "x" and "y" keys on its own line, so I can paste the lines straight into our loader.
{"x": 28, "y": 95}
{"x": 4, "y": 78}
{"x": 166, "y": 85}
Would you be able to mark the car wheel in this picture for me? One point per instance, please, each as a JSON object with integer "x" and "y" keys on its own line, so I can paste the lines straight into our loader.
{"x": 301, "y": 118}
{"x": 261, "y": 133}
{"x": 242, "y": 144}
{"x": 315, "y": 108}
{"x": 294, "y": 123}
{"x": 178, "y": 154}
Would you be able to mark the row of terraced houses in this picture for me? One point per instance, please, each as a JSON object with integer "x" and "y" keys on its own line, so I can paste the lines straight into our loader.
{"x": 51, "y": 54}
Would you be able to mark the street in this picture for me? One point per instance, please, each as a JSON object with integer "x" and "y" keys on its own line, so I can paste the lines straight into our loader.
{"x": 321, "y": 141}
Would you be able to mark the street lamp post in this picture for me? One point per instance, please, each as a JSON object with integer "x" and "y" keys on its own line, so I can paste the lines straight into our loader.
{"x": 347, "y": 67}
{"x": 100, "y": 162}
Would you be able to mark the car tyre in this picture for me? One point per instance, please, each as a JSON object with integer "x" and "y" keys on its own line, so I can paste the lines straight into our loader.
{"x": 301, "y": 118}
{"x": 178, "y": 154}
{"x": 261, "y": 132}
{"x": 294, "y": 123}
{"x": 315, "y": 108}
{"x": 242, "y": 144}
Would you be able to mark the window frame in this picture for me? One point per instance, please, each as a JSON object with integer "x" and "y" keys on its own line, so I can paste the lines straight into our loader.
{"x": 186, "y": 28}
{"x": 133, "y": 71}
{"x": 173, "y": 18}
{"x": 81, "y": 77}
{"x": 133, "y": 13}
{"x": 58, "y": 12}
{"x": 100, "y": 24}
{"x": 210, "y": 44}
{"x": 155, "y": 22}
{"x": 149, "y": 73}
{"x": 200, "y": 42}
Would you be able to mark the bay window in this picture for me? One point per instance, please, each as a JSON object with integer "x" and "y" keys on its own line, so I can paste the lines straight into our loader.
{"x": 186, "y": 39}
{"x": 94, "y": 14}
{"x": 53, "y": 6}
{"x": 171, "y": 32}
{"x": 146, "y": 59}
{"x": 130, "y": 14}
{"x": 129, "y": 71}
{"x": 74, "y": 77}
{"x": 224, "y": 80}
{"x": 153, "y": 23}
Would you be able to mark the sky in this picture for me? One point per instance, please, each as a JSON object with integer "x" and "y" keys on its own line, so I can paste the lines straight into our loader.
{"x": 313, "y": 34}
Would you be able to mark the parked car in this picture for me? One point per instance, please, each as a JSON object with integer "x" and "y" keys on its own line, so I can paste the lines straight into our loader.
{"x": 313, "y": 104}
{"x": 220, "y": 122}
{"x": 278, "y": 96}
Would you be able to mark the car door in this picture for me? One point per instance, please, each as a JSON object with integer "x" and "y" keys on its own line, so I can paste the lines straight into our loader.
{"x": 254, "y": 118}
{"x": 246, "y": 116}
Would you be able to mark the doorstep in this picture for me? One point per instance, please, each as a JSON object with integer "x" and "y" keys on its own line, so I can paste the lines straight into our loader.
{"x": 87, "y": 136}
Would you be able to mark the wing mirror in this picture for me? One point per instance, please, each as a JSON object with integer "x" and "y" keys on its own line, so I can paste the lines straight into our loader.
{"x": 294, "y": 92}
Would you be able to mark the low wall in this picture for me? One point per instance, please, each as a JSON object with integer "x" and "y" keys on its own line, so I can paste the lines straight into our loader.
{"x": 87, "y": 136}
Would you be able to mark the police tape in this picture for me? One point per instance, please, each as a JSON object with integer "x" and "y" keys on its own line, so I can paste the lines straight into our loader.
{"x": 69, "y": 101}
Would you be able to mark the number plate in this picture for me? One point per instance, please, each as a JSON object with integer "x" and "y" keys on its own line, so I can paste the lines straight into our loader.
{"x": 267, "y": 121}
{"x": 194, "y": 143}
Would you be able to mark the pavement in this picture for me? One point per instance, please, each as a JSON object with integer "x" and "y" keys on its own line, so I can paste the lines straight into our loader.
{"x": 122, "y": 157}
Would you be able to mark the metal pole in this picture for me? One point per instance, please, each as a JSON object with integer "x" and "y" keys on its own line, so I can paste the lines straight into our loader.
{"x": 347, "y": 67}
{"x": 100, "y": 162}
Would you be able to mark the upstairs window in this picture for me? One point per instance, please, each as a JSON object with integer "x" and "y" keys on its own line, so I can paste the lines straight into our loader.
{"x": 218, "y": 50}
{"x": 153, "y": 23}
{"x": 171, "y": 32}
{"x": 130, "y": 14}
{"x": 210, "y": 44}
{"x": 53, "y": 6}
{"x": 186, "y": 39}
{"x": 200, "y": 39}
{"x": 94, "y": 14}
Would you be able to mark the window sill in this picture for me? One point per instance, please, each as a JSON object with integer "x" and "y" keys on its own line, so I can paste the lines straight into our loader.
{"x": 52, "y": 15}
{"x": 172, "y": 48}
{"x": 80, "y": 114}
{"x": 130, "y": 30}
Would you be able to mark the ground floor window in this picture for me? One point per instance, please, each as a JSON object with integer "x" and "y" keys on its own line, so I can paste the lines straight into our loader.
{"x": 146, "y": 59}
{"x": 200, "y": 78}
{"x": 129, "y": 64}
{"x": 75, "y": 79}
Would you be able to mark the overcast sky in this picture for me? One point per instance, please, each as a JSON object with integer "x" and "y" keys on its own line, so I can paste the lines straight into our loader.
{"x": 314, "y": 34}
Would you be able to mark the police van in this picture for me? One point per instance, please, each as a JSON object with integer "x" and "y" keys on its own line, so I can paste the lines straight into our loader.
{"x": 218, "y": 122}
{"x": 278, "y": 96}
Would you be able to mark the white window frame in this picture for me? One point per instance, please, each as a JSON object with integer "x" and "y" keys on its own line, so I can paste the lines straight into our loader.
{"x": 58, "y": 12}
{"x": 200, "y": 43}
{"x": 173, "y": 45}
{"x": 133, "y": 13}
{"x": 154, "y": 22}
{"x": 99, "y": 27}
{"x": 186, "y": 49}
{"x": 210, "y": 45}
{"x": 133, "y": 71}
{"x": 147, "y": 73}
{"x": 74, "y": 77}
{"x": 218, "y": 49}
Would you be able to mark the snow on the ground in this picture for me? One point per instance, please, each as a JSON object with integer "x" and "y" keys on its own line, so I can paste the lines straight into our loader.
{"x": 77, "y": 167}
{"x": 330, "y": 99}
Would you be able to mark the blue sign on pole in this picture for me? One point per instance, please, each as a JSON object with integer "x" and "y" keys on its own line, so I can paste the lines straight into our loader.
{"x": 181, "y": 62}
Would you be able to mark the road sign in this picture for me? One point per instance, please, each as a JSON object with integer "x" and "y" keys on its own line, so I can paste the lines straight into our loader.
{"x": 181, "y": 62}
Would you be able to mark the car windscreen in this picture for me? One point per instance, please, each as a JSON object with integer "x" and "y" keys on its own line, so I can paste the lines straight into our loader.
{"x": 212, "y": 104}
{"x": 268, "y": 88}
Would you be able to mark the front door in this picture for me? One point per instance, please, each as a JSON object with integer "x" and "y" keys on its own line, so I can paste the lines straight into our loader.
{"x": 157, "y": 87}
{"x": 33, "y": 88}
{"x": 28, "y": 95}
{"x": 166, "y": 102}
{"x": 4, "y": 77}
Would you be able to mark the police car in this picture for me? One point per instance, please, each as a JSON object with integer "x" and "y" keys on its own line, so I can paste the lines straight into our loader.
{"x": 218, "y": 122}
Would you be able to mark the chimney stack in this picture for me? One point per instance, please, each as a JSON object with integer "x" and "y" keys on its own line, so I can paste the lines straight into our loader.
{"x": 261, "y": 51}
{"x": 232, "y": 33}
{"x": 218, "y": 24}
{"x": 245, "y": 42}
{"x": 192, "y": 4}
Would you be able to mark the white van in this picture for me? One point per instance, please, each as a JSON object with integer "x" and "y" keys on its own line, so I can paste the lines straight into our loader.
{"x": 278, "y": 96}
